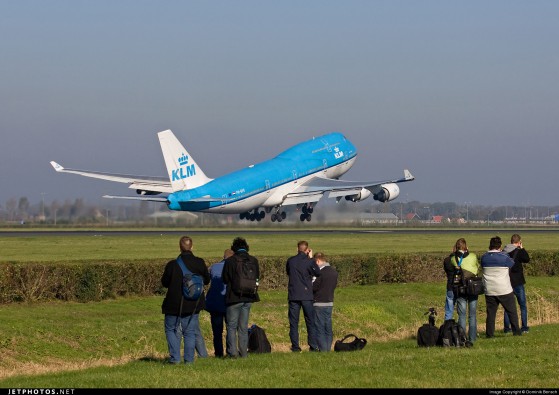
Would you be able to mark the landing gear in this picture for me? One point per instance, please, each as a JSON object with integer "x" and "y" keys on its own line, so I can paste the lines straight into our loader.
{"x": 304, "y": 217}
{"x": 278, "y": 216}
{"x": 253, "y": 216}
{"x": 307, "y": 210}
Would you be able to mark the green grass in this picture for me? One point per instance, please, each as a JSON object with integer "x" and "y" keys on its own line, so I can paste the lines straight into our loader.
{"x": 49, "y": 248}
{"x": 121, "y": 343}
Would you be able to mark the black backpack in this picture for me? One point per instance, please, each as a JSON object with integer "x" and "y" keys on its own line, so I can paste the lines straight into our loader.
{"x": 428, "y": 334}
{"x": 258, "y": 341}
{"x": 451, "y": 334}
{"x": 245, "y": 282}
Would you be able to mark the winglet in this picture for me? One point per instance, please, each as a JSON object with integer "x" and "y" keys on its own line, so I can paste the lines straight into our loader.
{"x": 408, "y": 176}
{"x": 56, "y": 166}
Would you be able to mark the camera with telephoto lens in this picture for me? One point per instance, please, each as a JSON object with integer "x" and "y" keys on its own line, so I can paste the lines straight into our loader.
{"x": 432, "y": 314}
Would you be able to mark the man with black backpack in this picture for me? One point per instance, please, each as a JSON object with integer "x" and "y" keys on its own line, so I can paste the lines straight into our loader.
{"x": 241, "y": 274}
{"x": 181, "y": 314}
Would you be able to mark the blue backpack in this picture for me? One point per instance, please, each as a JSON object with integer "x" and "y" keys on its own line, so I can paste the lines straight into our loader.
{"x": 192, "y": 283}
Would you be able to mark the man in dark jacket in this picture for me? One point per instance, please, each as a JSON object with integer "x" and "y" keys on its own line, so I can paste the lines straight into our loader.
{"x": 301, "y": 269}
{"x": 215, "y": 302}
{"x": 323, "y": 290}
{"x": 238, "y": 303}
{"x": 182, "y": 314}
{"x": 520, "y": 256}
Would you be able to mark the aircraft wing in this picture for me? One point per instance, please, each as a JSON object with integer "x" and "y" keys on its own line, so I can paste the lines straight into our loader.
{"x": 317, "y": 186}
{"x": 143, "y": 183}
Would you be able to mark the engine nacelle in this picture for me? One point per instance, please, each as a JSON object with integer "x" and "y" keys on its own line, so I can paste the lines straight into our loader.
{"x": 387, "y": 193}
{"x": 144, "y": 192}
{"x": 362, "y": 195}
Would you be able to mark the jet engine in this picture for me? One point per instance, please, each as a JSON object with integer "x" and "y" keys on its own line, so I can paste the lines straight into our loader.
{"x": 362, "y": 195}
{"x": 387, "y": 193}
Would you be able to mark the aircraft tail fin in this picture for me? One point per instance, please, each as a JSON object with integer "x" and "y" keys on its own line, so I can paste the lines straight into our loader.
{"x": 183, "y": 171}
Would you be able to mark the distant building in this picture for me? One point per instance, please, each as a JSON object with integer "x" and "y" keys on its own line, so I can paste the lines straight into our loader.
{"x": 411, "y": 217}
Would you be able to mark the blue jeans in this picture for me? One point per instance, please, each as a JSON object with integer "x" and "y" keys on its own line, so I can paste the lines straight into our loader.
{"x": 189, "y": 326}
{"x": 324, "y": 334}
{"x": 200, "y": 343}
{"x": 293, "y": 315}
{"x": 468, "y": 302}
{"x": 520, "y": 293}
{"x": 449, "y": 305}
{"x": 217, "y": 319}
{"x": 237, "y": 329}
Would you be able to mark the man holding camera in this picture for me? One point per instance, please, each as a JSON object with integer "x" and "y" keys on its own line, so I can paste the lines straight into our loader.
{"x": 301, "y": 269}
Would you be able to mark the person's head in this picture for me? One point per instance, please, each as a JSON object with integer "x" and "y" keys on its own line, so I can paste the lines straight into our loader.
{"x": 461, "y": 245}
{"x": 320, "y": 258}
{"x": 495, "y": 243}
{"x": 302, "y": 246}
{"x": 185, "y": 243}
{"x": 515, "y": 239}
{"x": 239, "y": 244}
{"x": 227, "y": 253}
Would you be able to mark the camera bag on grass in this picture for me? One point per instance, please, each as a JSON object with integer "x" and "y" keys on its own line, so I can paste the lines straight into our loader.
{"x": 451, "y": 334}
{"x": 258, "y": 341}
{"x": 428, "y": 334}
{"x": 350, "y": 343}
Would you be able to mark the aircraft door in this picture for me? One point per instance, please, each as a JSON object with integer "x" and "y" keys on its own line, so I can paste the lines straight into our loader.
{"x": 267, "y": 186}
{"x": 324, "y": 165}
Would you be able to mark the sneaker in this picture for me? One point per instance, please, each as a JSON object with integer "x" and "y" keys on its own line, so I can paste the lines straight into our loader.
{"x": 525, "y": 331}
{"x": 296, "y": 350}
{"x": 507, "y": 331}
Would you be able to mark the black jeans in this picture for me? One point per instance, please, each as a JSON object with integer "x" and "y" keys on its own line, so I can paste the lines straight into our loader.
{"x": 509, "y": 303}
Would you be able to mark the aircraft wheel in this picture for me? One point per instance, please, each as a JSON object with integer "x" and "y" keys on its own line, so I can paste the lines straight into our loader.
{"x": 279, "y": 218}
{"x": 252, "y": 217}
{"x": 283, "y": 215}
{"x": 262, "y": 214}
{"x": 302, "y": 217}
{"x": 274, "y": 217}
{"x": 310, "y": 210}
{"x": 308, "y": 218}
{"x": 242, "y": 216}
{"x": 258, "y": 218}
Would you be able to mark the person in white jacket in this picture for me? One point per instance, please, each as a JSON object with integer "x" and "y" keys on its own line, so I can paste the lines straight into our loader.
{"x": 498, "y": 290}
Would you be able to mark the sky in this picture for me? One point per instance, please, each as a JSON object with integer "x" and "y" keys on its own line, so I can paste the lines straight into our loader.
{"x": 464, "y": 94}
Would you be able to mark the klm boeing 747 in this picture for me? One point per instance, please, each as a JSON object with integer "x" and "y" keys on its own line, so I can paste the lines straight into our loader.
{"x": 299, "y": 176}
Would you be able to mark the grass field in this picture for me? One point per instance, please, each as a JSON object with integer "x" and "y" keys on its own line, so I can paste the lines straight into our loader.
{"x": 210, "y": 246}
{"x": 120, "y": 343}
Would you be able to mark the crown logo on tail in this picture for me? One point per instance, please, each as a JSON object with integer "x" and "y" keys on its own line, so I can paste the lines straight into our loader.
{"x": 183, "y": 160}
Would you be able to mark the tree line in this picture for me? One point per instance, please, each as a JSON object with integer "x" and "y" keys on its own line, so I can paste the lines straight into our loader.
{"x": 79, "y": 211}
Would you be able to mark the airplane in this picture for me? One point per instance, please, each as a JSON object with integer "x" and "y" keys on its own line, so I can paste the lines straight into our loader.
{"x": 299, "y": 176}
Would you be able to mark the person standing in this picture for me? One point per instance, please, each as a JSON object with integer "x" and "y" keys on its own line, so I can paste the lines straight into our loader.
{"x": 238, "y": 304}
{"x": 467, "y": 263}
{"x": 301, "y": 269}
{"x": 498, "y": 290}
{"x": 520, "y": 256}
{"x": 181, "y": 315}
{"x": 449, "y": 267}
{"x": 323, "y": 291}
{"x": 215, "y": 302}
